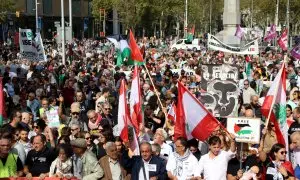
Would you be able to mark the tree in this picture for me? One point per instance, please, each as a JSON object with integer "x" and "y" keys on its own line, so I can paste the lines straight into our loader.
{"x": 5, "y": 7}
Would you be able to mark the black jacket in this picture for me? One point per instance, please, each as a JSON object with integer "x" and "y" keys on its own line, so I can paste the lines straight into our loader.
{"x": 136, "y": 162}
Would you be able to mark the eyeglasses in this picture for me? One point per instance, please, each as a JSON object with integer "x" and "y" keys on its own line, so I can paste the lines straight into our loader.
{"x": 75, "y": 113}
{"x": 107, "y": 109}
{"x": 35, "y": 127}
{"x": 246, "y": 84}
{"x": 283, "y": 152}
{"x": 87, "y": 138}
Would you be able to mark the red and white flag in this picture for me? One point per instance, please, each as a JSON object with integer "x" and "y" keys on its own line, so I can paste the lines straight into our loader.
{"x": 276, "y": 108}
{"x": 283, "y": 40}
{"x": 123, "y": 116}
{"x": 135, "y": 101}
{"x": 172, "y": 113}
{"x": 192, "y": 119}
{"x": 239, "y": 32}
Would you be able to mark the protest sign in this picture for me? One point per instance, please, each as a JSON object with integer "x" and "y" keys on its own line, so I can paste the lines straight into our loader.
{"x": 187, "y": 72}
{"x": 220, "y": 86}
{"x": 26, "y": 42}
{"x": 30, "y": 47}
{"x": 53, "y": 118}
{"x": 246, "y": 130}
{"x": 216, "y": 44}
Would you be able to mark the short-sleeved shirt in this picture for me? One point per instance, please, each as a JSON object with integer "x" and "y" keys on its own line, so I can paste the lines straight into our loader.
{"x": 40, "y": 162}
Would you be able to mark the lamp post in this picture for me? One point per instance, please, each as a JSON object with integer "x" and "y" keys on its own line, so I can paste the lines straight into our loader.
{"x": 63, "y": 32}
{"x": 210, "y": 12}
{"x": 185, "y": 19}
{"x": 70, "y": 18}
{"x": 36, "y": 17}
{"x": 288, "y": 21}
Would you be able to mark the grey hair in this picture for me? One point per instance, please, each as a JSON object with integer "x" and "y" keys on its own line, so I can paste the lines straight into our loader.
{"x": 109, "y": 144}
{"x": 164, "y": 133}
{"x": 146, "y": 143}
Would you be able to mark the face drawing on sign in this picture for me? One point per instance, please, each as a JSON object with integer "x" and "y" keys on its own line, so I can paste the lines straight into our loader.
{"x": 225, "y": 93}
{"x": 209, "y": 101}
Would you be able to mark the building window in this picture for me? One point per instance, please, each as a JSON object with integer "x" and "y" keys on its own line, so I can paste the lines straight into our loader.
{"x": 30, "y": 6}
{"x": 76, "y": 7}
{"x": 47, "y": 7}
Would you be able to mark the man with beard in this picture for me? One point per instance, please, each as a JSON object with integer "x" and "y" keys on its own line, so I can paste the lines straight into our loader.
{"x": 74, "y": 117}
{"x": 255, "y": 106}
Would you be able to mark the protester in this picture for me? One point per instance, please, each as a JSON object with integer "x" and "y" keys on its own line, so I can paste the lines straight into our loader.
{"x": 110, "y": 163}
{"x": 86, "y": 165}
{"x": 10, "y": 163}
{"x": 62, "y": 166}
{"x": 216, "y": 159}
{"x": 145, "y": 166}
{"x": 182, "y": 164}
{"x": 39, "y": 159}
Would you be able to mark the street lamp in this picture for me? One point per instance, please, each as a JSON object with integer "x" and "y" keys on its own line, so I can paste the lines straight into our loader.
{"x": 36, "y": 16}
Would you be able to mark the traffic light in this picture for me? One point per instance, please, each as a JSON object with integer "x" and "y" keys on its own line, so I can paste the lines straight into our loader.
{"x": 17, "y": 13}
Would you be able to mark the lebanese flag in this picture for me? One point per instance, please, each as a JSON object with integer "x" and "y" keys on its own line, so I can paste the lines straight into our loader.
{"x": 283, "y": 40}
{"x": 172, "y": 113}
{"x": 192, "y": 119}
{"x": 2, "y": 103}
{"x": 136, "y": 54}
{"x": 277, "y": 106}
{"x": 123, "y": 117}
{"x": 135, "y": 100}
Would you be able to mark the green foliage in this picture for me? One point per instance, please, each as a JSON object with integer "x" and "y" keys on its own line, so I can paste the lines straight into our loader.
{"x": 5, "y": 7}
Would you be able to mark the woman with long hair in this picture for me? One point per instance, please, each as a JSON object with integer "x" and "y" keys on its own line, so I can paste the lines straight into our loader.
{"x": 276, "y": 165}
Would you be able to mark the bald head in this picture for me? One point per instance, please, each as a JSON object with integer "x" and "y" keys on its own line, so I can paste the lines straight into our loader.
{"x": 295, "y": 139}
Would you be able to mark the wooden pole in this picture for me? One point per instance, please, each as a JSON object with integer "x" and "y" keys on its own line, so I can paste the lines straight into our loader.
{"x": 155, "y": 91}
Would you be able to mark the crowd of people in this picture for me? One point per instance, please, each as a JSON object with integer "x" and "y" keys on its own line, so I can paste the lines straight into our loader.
{"x": 85, "y": 92}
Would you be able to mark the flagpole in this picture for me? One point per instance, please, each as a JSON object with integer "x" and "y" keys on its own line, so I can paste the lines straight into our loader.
{"x": 274, "y": 98}
{"x": 155, "y": 91}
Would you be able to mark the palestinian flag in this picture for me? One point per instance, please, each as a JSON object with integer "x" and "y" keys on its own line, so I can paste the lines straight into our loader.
{"x": 274, "y": 106}
{"x": 241, "y": 129}
{"x": 191, "y": 34}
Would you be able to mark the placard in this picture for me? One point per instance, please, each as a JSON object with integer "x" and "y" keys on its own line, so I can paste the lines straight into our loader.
{"x": 187, "y": 72}
{"x": 220, "y": 85}
{"x": 53, "y": 118}
{"x": 246, "y": 130}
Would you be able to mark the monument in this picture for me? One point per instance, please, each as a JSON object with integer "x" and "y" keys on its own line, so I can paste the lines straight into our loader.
{"x": 231, "y": 18}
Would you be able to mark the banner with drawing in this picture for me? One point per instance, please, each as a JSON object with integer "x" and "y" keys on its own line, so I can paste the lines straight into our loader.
{"x": 220, "y": 86}
{"x": 246, "y": 130}
{"x": 215, "y": 44}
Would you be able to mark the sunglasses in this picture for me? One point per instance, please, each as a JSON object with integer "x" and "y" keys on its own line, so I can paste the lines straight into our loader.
{"x": 88, "y": 138}
{"x": 283, "y": 152}
{"x": 107, "y": 109}
{"x": 75, "y": 113}
{"x": 74, "y": 129}
{"x": 35, "y": 127}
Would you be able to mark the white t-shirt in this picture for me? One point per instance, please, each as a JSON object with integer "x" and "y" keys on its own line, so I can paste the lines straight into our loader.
{"x": 215, "y": 168}
{"x": 166, "y": 149}
{"x": 185, "y": 169}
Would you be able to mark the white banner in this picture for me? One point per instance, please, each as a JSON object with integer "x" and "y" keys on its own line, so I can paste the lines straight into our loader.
{"x": 40, "y": 47}
{"x": 216, "y": 44}
{"x": 30, "y": 47}
{"x": 246, "y": 130}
